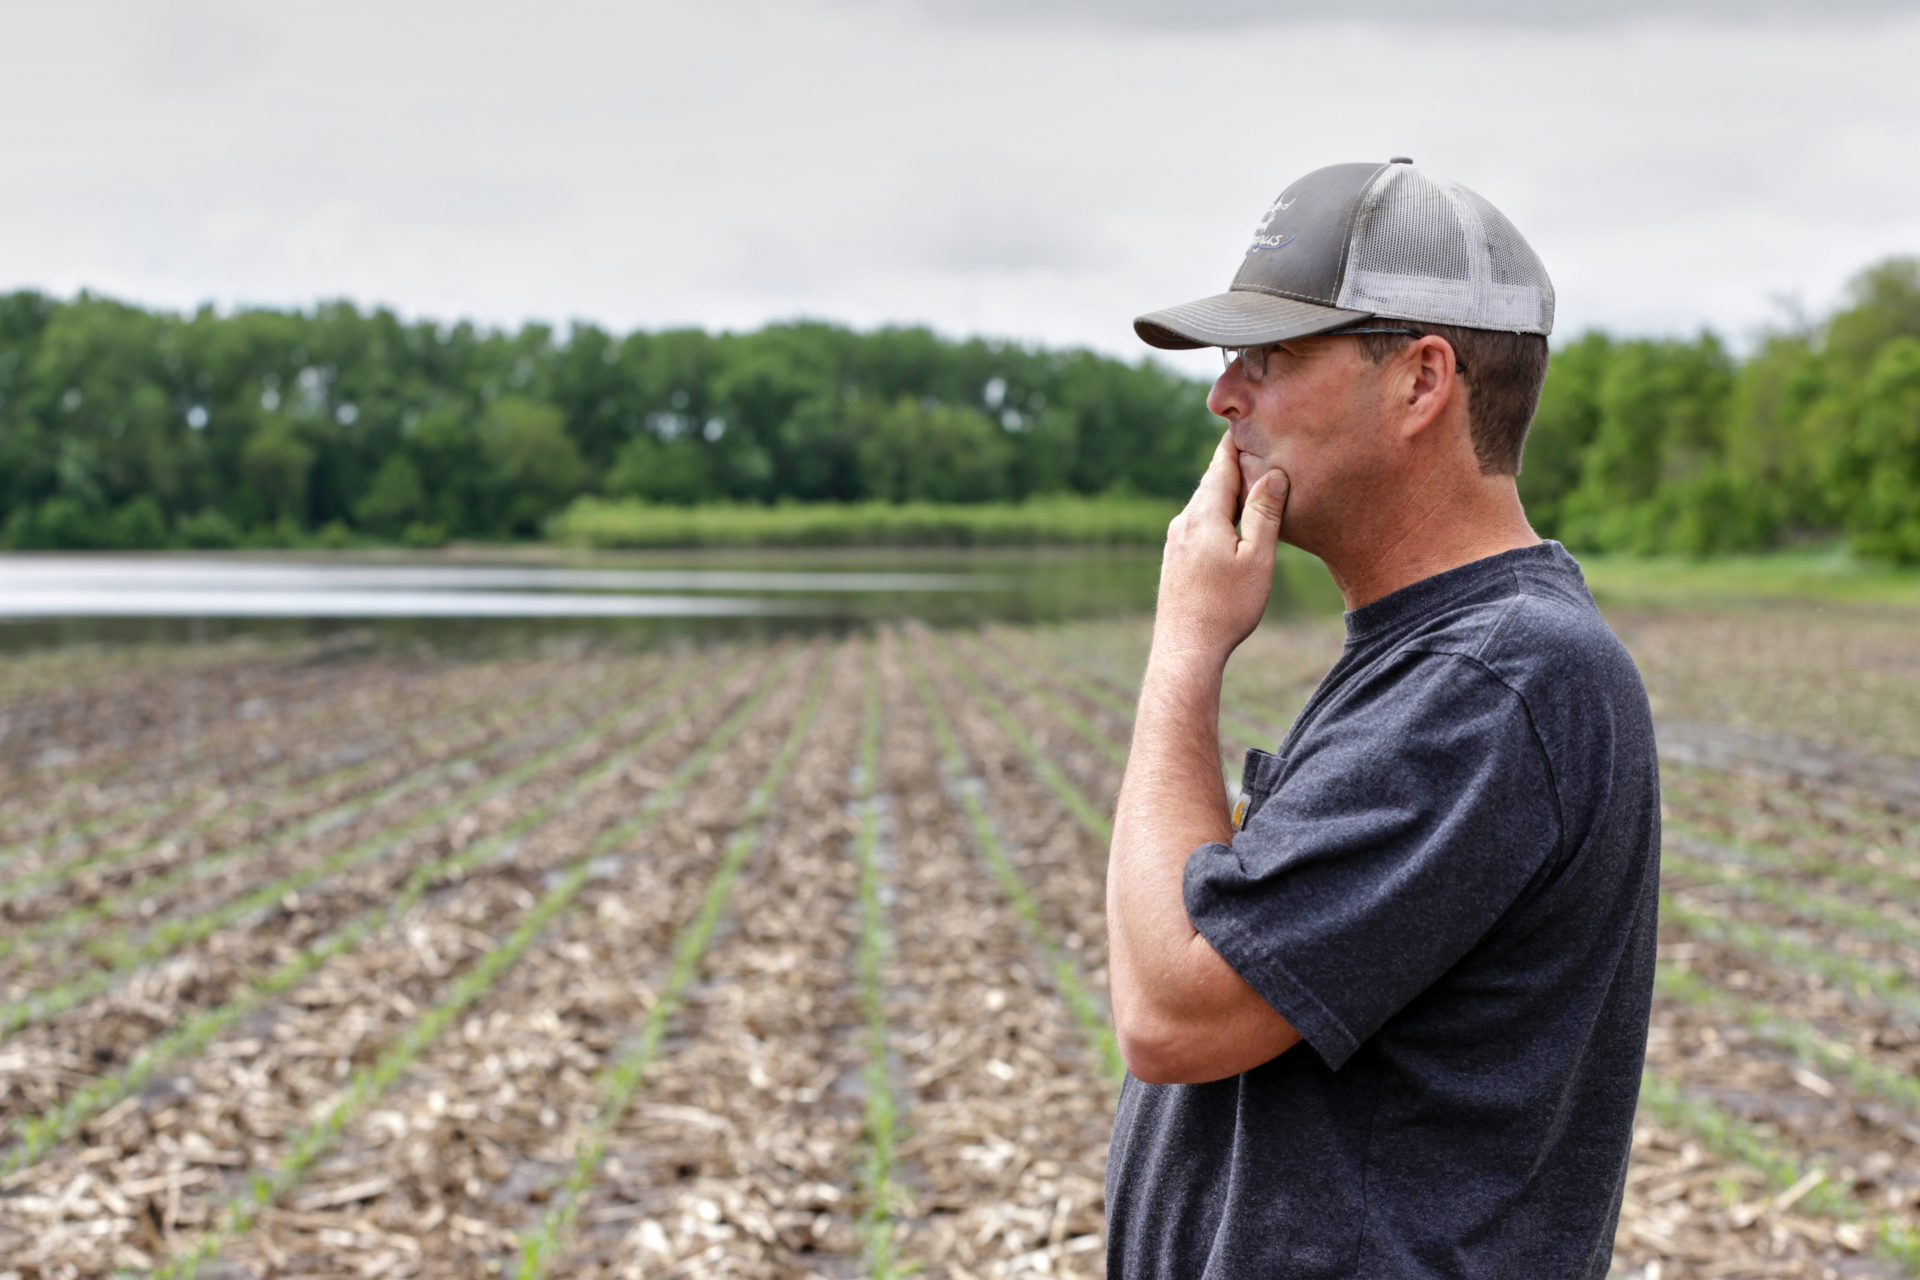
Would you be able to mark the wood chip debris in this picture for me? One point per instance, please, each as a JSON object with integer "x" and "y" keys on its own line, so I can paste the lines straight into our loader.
{"x": 742, "y": 1151}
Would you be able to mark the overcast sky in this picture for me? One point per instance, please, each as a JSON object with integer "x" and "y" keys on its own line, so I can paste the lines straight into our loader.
{"x": 1038, "y": 169}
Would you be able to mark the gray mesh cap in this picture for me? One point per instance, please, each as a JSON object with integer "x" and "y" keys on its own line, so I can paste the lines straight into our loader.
{"x": 1352, "y": 242}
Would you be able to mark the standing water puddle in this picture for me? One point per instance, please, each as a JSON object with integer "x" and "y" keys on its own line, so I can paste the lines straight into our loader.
{"x": 458, "y": 596}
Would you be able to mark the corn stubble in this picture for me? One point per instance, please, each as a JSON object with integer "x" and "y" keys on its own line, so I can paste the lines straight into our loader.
{"x": 788, "y": 961}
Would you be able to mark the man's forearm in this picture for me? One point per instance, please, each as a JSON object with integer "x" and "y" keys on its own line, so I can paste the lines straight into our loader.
{"x": 1171, "y": 801}
{"x": 1182, "y": 1014}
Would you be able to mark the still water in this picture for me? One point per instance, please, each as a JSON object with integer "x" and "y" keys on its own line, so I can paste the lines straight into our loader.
{"x": 470, "y": 597}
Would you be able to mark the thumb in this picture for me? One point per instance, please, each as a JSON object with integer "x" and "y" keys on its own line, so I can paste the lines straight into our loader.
{"x": 1266, "y": 504}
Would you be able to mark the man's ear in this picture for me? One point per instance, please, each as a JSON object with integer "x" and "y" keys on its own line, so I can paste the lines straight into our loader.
{"x": 1430, "y": 379}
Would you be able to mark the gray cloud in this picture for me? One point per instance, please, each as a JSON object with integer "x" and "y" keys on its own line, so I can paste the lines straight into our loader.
{"x": 1007, "y": 238}
{"x": 983, "y": 214}
{"x": 1519, "y": 15}
{"x": 726, "y": 162}
{"x": 193, "y": 46}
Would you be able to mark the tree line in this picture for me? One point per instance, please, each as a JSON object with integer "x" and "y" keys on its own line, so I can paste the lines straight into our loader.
{"x": 1675, "y": 445}
{"x": 127, "y": 427}
{"x": 123, "y": 427}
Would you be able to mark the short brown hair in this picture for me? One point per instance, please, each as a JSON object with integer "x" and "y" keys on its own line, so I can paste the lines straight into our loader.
{"x": 1504, "y": 374}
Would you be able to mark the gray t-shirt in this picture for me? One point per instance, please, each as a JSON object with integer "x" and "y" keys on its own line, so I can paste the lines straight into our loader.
{"x": 1447, "y": 881}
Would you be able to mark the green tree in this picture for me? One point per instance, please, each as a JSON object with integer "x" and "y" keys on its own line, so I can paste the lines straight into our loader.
{"x": 121, "y": 426}
{"x": 678, "y": 471}
{"x": 277, "y": 464}
{"x": 1563, "y": 429}
{"x": 916, "y": 451}
{"x": 445, "y": 447}
{"x": 533, "y": 466}
{"x": 395, "y": 500}
{"x": 1879, "y": 467}
{"x": 1883, "y": 304}
{"x": 1662, "y": 414}
{"x": 777, "y": 427}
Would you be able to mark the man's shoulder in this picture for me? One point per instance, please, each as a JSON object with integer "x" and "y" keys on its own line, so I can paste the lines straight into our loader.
{"x": 1539, "y": 634}
{"x": 1527, "y": 625}
{"x": 1529, "y": 618}
{"x": 1510, "y": 644}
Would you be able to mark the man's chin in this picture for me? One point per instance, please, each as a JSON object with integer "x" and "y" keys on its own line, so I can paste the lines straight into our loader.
{"x": 1298, "y": 528}
{"x": 1252, "y": 467}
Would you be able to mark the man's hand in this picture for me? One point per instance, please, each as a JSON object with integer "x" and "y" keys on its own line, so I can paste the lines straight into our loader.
{"x": 1214, "y": 579}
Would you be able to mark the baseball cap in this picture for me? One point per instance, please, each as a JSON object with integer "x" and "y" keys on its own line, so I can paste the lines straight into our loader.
{"x": 1352, "y": 242}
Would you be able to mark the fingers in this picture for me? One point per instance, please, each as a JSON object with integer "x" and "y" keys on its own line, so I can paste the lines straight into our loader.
{"x": 1266, "y": 507}
{"x": 1219, "y": 491}
{"x": 1251, "y": 469}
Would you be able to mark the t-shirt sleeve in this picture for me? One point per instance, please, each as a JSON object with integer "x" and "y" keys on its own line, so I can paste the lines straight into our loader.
{"x": 1404, "y": 824}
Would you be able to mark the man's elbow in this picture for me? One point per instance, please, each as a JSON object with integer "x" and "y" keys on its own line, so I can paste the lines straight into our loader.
{"x": 1151, "y": 1060}
{"x": 1162, "y": 1050}
{"x": 1163, "y": 1045}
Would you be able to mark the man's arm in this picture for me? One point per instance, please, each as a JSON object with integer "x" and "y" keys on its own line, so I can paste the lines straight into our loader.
{"x": 1182, "y": 1014}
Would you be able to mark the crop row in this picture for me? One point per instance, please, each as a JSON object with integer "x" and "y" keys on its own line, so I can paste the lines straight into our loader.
{"x": 305, "y": 1144}
{"x": 183, "y": 827}
{"x": 881, "y": 1197}
{"x": 934, "y": 663}
{"x": 119, "y": 952}
{"x": 143, "y": 868}
{"x": 282, "y": 969}
{"x": 879, "y": 1170}
{"x": 547, "y": 1241}
{"x": 602, "y": 1160}
{"x": 1009, "y": 744}
{"x": 42, "y": 1133}
{"x": 1086, "y": 1008}
{"x": 677, "y": 873}
{"x": 480, "y": 744}
{"x": 188, "y": 738}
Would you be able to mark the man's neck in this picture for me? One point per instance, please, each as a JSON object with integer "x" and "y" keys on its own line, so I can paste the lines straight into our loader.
{"x": 1380, "y": 557}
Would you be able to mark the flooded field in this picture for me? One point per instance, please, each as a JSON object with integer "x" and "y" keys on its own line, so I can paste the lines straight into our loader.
{"x": 784, "y": 957}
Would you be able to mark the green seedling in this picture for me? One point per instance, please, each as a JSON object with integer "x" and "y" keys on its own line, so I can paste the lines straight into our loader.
{"x": 1869, "y": 983}
{"x": 368, "y": 1083}
{"x": 877, "y": 1223}
{"x": 41, "y": 1134}
{"x": 542, "y": 1247}
{"x": 1096, "y": 822}
{"x": 121, "y": 952}
{"x": 286, "y": 798}
{"x": 1086, "y": 1010}
{"x": 1089, "y": 732}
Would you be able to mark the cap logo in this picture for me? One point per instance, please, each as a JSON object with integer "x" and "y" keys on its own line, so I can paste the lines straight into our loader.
{"x": 1266, "y": 236}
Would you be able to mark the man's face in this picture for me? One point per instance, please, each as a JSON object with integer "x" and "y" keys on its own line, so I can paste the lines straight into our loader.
{"x": 1318, "y": 415}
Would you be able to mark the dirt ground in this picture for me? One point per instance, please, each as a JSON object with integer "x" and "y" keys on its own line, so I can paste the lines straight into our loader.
{"x": 788, "y": 960}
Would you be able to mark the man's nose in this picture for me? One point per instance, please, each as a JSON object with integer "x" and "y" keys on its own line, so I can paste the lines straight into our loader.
{"x": 1228, "y": 399}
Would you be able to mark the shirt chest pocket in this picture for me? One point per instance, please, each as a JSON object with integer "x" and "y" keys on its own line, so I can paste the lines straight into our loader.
{"x": 1258, "y": 779}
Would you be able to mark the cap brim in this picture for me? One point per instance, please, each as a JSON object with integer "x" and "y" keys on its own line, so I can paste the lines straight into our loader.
{"x": 1239, "y": 318}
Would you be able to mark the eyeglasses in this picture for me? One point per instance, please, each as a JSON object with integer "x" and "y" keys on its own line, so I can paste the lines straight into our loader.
{"x": 1253, "y": 360}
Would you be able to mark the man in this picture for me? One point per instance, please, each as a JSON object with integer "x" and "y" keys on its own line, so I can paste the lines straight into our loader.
{"x": 1390, "y": 1023}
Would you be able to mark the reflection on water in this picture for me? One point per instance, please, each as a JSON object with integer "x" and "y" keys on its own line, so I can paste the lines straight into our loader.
{"x": 461, "y": 600}
{"x": 121, "y": 586}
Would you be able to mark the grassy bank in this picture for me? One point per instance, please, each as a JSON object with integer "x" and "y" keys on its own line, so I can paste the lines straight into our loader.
{"x": 1831, "y": 576}
{"x": 595, "y": 522}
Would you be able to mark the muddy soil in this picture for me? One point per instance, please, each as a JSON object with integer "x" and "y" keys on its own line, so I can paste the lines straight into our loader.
{"x": 418, "y": 1100}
